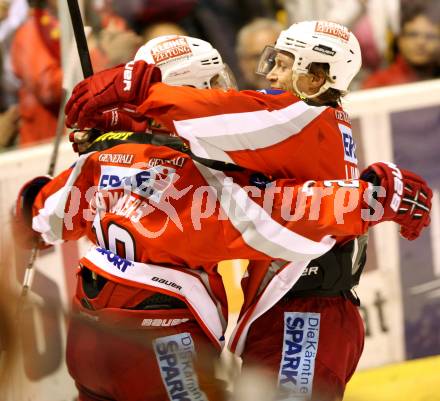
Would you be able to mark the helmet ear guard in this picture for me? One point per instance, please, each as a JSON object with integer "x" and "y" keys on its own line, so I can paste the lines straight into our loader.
{"x": 187, "y": 61}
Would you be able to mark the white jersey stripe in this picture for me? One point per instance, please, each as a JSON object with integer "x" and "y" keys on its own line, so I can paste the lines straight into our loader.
{"x": 213, "y": 136}
{"x": 247, "y": 122}
{"x": 280, "y": 284}
{"x": 257, "y": 227}
{"x": 262, "y": 138}
{"x": 50, "y": 219}
{"x": 45, "y": 222}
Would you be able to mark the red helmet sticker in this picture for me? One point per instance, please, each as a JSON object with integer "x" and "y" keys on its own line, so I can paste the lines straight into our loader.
{"x": 170, "y": 49}
{"x": 333, "y": 29}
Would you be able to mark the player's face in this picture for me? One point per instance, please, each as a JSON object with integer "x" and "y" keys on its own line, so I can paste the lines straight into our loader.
{"x": 280, "y": 77}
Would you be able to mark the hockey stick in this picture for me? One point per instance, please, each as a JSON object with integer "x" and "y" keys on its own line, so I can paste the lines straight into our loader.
{"x": 86, "y": 66}
{"x": 29, "y": 271}
{"x": 80, "y": 38}
{"x": 83, "y": 48}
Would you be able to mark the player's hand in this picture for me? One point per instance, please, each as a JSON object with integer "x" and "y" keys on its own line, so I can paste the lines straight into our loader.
{"x": 407, "y": 200}
{"x": 82, "y": 139}
{"x": 22, "y": 214}
{"x": 112, "y": 88}
{"x": 112, "y": 120}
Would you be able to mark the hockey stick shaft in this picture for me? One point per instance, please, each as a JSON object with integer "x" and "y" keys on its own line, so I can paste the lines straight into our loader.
{"x": 80, "y": 38}
{"x": 81, "y": 45}
{"x": 86, "y": 66}
{"x": 29, "y": 270}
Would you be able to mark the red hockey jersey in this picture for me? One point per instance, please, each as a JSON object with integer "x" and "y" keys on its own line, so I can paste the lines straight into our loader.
{"x": 152, "y": 209}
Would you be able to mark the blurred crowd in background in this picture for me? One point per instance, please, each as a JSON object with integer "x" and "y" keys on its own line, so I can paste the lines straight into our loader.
{"x": 400, "y": 43}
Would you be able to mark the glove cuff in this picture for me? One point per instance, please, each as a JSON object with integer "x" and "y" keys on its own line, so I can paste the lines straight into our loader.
{"x": 385, "y": 176}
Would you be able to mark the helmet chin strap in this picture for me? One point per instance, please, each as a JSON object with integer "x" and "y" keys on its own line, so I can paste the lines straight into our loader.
{"x": 304, "y": 95}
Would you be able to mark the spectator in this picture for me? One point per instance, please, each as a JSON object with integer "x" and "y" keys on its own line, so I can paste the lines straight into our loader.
{"x": 35, "y": 56}
{"x": 118, "y": 44}
{"x": 329, "y": 10}
{"x": 251, "y": 40}
{"x": 111, "y": 41}
{"x": 12, "y": 15}
{"x": 161, "y": 29}
{"x": 141, "y": 13}
{"x": 9, "y": 116}
{"x": 418, "y": 48}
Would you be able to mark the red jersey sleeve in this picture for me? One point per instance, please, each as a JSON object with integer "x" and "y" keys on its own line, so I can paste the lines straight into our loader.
{"x": 278, "y": 135}
{"x": 59, "y": 207}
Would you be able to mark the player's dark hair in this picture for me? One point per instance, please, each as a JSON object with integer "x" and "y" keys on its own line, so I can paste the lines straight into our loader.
{"x": 331, "y": 97}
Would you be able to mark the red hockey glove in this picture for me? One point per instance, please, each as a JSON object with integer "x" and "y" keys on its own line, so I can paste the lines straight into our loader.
{"x": 117, "y": 119}
{"x": 22, "y": 215}
{"x": 408, "y": 197}
{"x": 115, "y": 87}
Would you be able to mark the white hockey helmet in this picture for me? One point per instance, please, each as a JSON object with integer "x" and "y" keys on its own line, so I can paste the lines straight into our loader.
{"x": 318, "y": 42}
{"x": 188, "y": 61}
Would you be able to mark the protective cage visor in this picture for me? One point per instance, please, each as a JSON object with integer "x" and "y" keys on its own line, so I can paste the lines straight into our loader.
{"x": 267, "y": 60}
{"x": 225, "y": 79}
